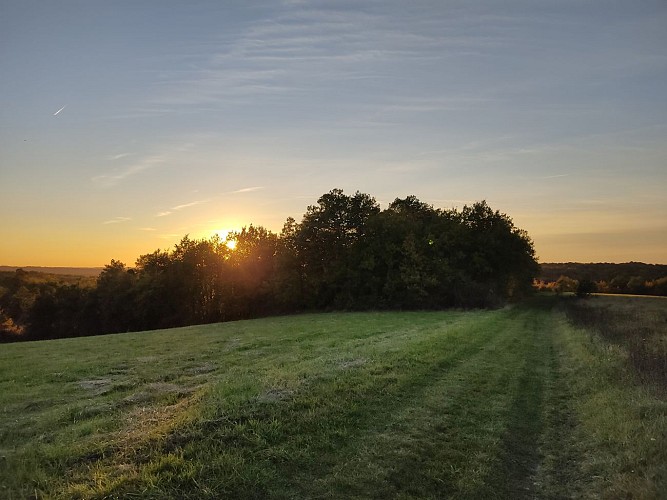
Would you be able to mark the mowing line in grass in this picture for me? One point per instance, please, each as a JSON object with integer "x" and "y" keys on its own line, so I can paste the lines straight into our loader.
{"x": 512, "y": 403}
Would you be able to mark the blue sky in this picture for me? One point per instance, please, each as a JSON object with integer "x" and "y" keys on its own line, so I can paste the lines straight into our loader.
{"x": 126, "y": 125}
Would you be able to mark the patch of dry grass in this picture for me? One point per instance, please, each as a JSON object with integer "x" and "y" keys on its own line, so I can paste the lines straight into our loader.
{"x": 637, "y": 324}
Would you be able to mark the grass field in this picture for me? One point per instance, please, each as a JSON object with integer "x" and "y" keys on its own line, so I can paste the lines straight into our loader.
{"x": 511, "y": 403}
{"x": 636, "y": 323}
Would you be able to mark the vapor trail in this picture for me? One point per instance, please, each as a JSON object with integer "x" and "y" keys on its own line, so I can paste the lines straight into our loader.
{"x": 54, "y": 114}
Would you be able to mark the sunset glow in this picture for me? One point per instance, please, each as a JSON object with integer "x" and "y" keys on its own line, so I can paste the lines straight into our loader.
{"x": 120, "y": 136}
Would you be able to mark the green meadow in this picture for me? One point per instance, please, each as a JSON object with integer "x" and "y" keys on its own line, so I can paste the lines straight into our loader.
{"x": 520, "y": 402}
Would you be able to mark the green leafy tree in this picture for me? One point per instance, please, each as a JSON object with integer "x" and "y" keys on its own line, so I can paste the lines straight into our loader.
{"x": 253, "y": 263}
{"x": 115, "y": 299}
{"x": 326, "y": 235}
{"x": 155, "y": 292}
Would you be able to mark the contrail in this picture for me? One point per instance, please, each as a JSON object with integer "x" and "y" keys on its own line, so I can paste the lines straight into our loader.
{"x": 54, "y": 114}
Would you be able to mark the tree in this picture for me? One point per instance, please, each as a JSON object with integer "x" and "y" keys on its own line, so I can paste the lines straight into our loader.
{"x": 324, "y": 240}
{"x": 289, "y": 277}
{"x": 63, "y": 311}
{"x": 156, "y": 304}
{"x": 198, "y": 269}
{"x": 565, "y": 284}
{"x": 636, "y": 285}
{"x": 115, "y": 298}
{"x": 586, "y": 287}
{"x": 497, "y": 255}
{"x": 345, "y": 253}
{"x": 252, "y": 264}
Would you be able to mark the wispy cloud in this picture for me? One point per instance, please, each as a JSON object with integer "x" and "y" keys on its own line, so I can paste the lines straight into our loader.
{"x": 305, "y": 51}
{"x": 119, "y": 156}
{"x": 112, "y": 179}
{"x": 247, "y": 190}
{"x": 117, "y": 220}
{"x": 181, "y": 207}
{"x": 165, "y": 155}
{"x": 188, "y": 205}
{"x": 433, "y": 104}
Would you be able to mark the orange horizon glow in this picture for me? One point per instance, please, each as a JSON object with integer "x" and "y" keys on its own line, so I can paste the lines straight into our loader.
{"x": 88, "y": 252}
{"x": 574, "y": 236}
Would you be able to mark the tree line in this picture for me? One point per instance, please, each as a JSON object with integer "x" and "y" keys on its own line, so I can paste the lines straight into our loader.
{"x": 620, "y": 284}
{"x": 345, "y": 254}
{"x": 636, "y": 278}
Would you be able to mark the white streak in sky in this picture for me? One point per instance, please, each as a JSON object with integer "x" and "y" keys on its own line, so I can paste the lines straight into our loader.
{"x": 54, "y": 114}
{"x": 247, "y": 190}
{"x": 191, "y": 204}
{"x": 118, "y": 220}
{"x": 181, "y": 207}
{"x": 167, "y": 156}
{"x": 109, "y": 180}
{"x": 119, "y": 156}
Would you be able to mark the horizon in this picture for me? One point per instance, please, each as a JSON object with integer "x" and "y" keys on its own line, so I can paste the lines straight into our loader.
{"x": 126, "y": 126}
{"x": 131, "y": 264}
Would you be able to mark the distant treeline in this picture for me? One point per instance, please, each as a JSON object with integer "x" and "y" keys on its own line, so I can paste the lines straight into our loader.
{"x": 634, "y": 278}
{"x": 60, "y": 271}
{"x": 601, "y": 271}
{"x": 345, "y": 254}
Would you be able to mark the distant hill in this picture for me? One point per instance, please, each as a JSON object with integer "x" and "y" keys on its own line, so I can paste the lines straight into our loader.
{"x": 602, "y": 271}
{"x": 66, "y": 271}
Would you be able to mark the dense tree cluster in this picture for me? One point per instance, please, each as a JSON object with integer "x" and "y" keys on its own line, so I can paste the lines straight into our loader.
{"x": 346, "y": 253}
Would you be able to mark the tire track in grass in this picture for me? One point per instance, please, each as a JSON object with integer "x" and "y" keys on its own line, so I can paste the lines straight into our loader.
{"x": 445, "y": 439}
{"x": 520, "y": 455}
{"x": 321, "y": 423}
{"x": 558, "y": 474}
{"x": 423, "y": 417}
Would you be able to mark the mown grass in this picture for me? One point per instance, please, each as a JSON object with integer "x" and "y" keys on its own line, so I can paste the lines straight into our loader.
{"x": 512, "y": 403}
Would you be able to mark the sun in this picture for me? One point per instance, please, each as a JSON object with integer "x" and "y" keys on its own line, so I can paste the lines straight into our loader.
{"x": 223, "y": 234}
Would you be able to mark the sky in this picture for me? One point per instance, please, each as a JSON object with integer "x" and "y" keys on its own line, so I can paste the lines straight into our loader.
{"x": 125, "y": 125}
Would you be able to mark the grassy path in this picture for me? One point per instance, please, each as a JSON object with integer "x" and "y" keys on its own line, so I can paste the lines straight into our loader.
{"x": 491, "y": 404}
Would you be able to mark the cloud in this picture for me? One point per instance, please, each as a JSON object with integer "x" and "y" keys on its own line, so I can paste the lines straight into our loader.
{"x": 299, "y": 51}
{"x": 247, "y": 190}
{"x": 554, "y": 176}
{"x": 181, "y": 207}
{"x": 119, "y": 156}
{"x": 113, "y": 179}
{"x": 435, "y": 104}
{"x": 117, "y": 220}
{"x": 188, "y": 205}
{"x": 166, "y": 155}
